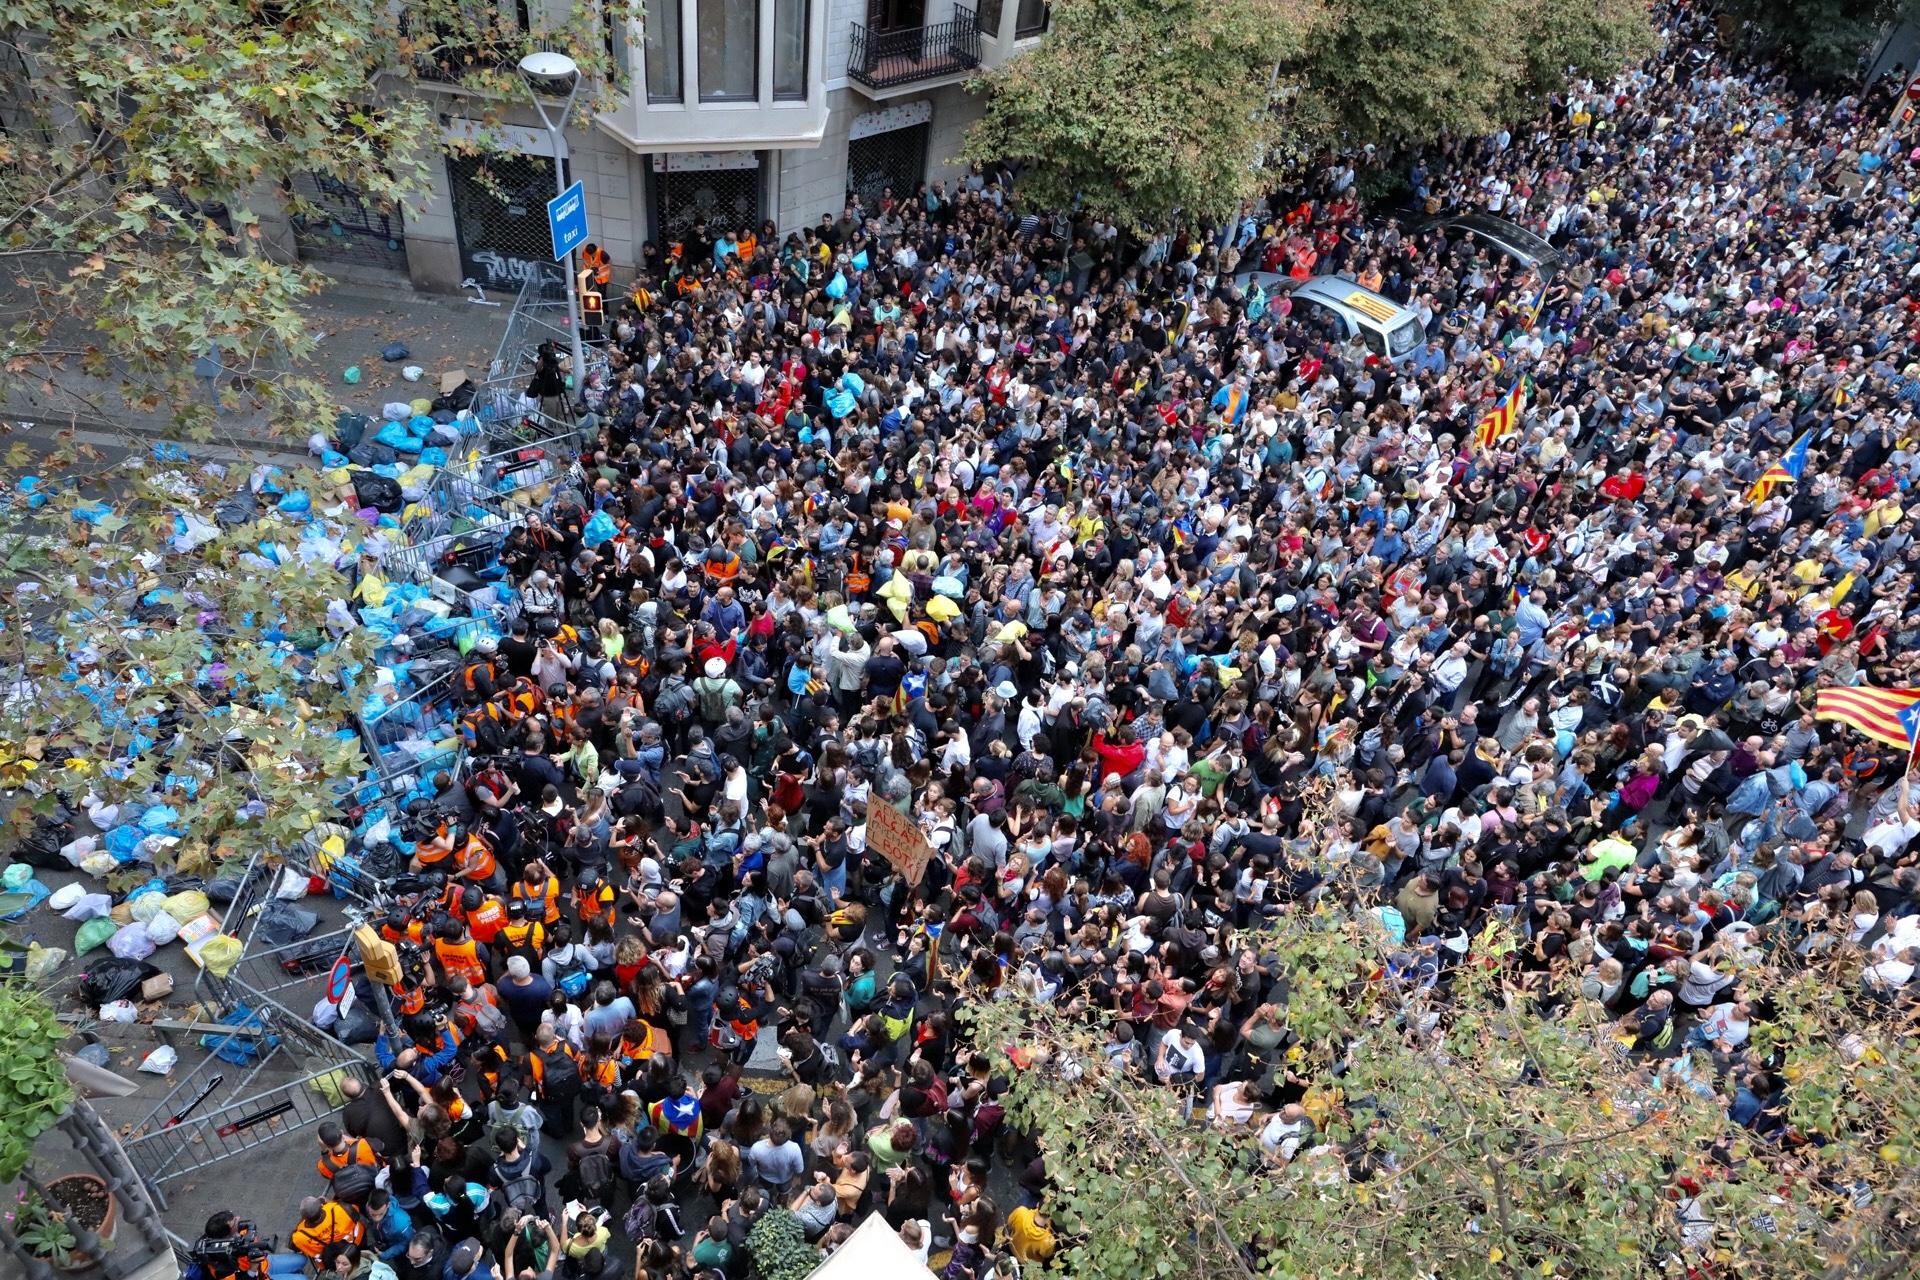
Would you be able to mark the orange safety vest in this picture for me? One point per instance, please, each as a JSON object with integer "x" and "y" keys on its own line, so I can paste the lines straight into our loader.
{"x": 549, "y": 897}
{"x": 359, "y": 1151}
{"x": 469, "y": 675}
{"x": 514, "y": 937}
{"x": 538, "y": 1059}
{"x": 522, "y": 702}
{"x": 460, "y": 958}
{"x": 593, "y": 903}
{"x": 412, "y": 1000}
{"x": 600, "y": 263}
{"x": 724, "y": 570}
{"x": 655, "y": 1045}
{"x": 336, "y": 1223}
{"x": 476, "y": 859}
{"x": 486, "y": 920}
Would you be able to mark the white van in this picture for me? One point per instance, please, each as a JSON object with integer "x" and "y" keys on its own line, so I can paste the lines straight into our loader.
{"x": 1387, "y": 328}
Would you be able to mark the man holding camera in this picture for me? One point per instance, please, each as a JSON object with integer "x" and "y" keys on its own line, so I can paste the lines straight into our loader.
{"x": 231, "y": 1247}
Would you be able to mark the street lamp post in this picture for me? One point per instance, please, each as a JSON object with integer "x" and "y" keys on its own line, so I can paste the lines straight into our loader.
{"x": 556, "y": 76}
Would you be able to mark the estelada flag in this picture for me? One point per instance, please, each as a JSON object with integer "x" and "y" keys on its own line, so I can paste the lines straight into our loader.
{"x": 1786, "y": 471}
{"x": 1891, "y": 716}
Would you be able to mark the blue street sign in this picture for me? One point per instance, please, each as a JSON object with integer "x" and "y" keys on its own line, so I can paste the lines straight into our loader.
{"x": 567, "y": 219}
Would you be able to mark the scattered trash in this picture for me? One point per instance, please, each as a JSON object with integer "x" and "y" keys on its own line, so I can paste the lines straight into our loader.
{"x": 161, "y": 1060}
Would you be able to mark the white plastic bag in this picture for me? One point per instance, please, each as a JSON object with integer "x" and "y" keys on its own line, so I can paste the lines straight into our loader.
{"x": 293, "y": 886}
{"x": 89, "y": 906}
{"x": 78, "y": 851}
{"x": 162, "y": 928}
{"x": 99, "y": 864}
{"x": 161, "y": 1060}
{"x": 412, "y": 373}
{"x": 131, "y": 942}
{"x": 118, "y": 1011}
{"x": 65, "y": 896}
{"x": 396, "y": 411}
{"x": 147, "y": 906}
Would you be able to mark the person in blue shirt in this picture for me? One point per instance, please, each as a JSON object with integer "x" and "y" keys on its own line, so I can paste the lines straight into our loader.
{"x": 426, "y": 1056}
{"x": 389, "y": 1227}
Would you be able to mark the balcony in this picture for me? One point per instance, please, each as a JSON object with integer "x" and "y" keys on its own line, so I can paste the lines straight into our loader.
{"x": 915, "y": 57}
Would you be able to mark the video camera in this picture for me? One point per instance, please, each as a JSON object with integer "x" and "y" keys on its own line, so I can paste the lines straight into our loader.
{"x": 230, "y": 1255}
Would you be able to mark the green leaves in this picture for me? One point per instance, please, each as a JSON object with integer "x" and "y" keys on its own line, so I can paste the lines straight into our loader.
{"x": 1134, "y": 108}
{"x": 1496, "y": 1142}
{"x": 33, "y": 1086}
{"x": 1143, "y": 111}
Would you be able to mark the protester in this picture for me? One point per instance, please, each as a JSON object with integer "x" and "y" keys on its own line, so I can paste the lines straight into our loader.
{"x": 1155, "y": 603}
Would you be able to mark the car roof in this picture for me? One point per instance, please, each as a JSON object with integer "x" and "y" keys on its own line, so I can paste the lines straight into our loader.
{"x": 1509, "y": 233}
{"x": 1352, "y": 296}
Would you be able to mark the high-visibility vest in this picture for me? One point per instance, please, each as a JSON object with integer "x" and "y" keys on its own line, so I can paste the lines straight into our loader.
{"x": 476, "y": 859}
{"x": 460, "y": 958}
{"x": 359, "y": 1151}
{"x": 336, "y": 1223}
{"x": 653, "y": 1044}
{"x": 599, "y": 266}
{"x": 520, "y": 938}
{"x": 548, "y": 899}
{"x": 486, "y": 920}
{"x": 724, "y": 570}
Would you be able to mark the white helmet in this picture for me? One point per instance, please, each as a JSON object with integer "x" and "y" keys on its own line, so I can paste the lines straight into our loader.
{"x": 486, "y": 646}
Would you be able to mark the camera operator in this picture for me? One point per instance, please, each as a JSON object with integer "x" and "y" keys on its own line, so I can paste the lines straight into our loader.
{"x": 231, "y": 1247}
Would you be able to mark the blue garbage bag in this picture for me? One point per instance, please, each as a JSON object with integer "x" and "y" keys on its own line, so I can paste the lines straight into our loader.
{"x": 599, "y": 529}
{"x": 840, "y": 404}
{"x": 434, "y": 457}
{"x": 853, "y": 382}
{"x": 395, "y": 436}
{"x": 837, "y": 287}
{"x": 297, "y": 503}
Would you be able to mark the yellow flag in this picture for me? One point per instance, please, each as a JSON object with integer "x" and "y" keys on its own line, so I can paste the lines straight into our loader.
{"x": 1840, "y": 590}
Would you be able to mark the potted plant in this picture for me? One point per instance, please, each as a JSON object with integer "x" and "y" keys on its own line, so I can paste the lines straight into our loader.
{"x": 779, "y": 1247}
{"x": 51, "y": 1230}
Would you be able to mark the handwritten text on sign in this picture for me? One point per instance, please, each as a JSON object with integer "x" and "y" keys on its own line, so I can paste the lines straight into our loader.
{"x": 895, "y": 837}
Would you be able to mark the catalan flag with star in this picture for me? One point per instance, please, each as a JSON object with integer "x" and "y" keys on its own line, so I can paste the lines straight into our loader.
{"x": 1891, "y": 716}
{"x": 1503, "y": 419}
{"x": 1786, "y": 471}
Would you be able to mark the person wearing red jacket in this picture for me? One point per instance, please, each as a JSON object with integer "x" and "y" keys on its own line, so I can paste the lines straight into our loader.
{"x": 1121, "y": 756}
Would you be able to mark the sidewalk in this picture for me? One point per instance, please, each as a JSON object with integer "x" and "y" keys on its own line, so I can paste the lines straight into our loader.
{"x": 352, "y": 322}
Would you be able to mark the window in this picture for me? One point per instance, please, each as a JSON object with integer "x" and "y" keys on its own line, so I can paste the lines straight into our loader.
{"x": 986, "y": 19}
{"x": 1031, "y": 19}
{"x": 614, "y": 38}
{"x": 789, "y": 50}
{"x": 663, "y": 52}
{"x": 729, "y": 32}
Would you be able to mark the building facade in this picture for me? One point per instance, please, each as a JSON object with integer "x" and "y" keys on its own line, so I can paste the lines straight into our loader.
{"x": 738, "y": 111}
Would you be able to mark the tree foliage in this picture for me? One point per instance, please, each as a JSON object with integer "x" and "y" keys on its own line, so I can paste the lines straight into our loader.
{"x": 143, "y": 136}
{"x": 1136, "y": 108}
{"x": 1823, "y": 40}
{"x": 1474, "y": 1137}
{"x": 140, "y": 668}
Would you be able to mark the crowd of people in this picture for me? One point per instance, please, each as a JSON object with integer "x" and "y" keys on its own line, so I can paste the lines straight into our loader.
{"x": 1158, "y": 607}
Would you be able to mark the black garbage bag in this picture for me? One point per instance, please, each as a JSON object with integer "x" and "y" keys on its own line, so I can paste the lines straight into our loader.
{"x": 112, "y": 978}
{"x": 358, "y": 1025}
{"x": 282, "y": 924}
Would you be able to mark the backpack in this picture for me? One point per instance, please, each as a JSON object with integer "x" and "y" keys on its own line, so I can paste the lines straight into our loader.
{"x": 649, "y": 1221}
{"x": 713, "y": 697}
{"x": 560, "y": 1074}
{"x": 352, "y": 1184}
{"x": 520, "y": 1188}
{"x": 676, "y": 700}
{"x": 595, "y": 1173}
